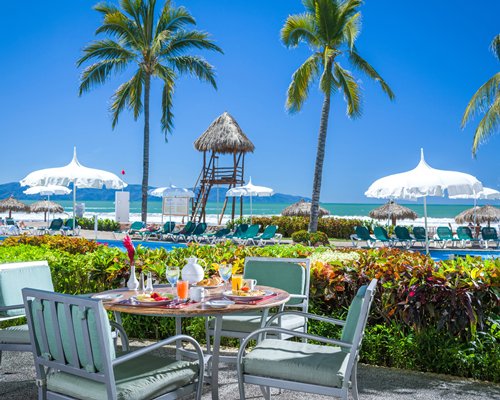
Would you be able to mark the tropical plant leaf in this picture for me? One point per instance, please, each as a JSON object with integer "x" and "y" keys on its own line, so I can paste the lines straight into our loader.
{"x": 105, "y": 50}
{"x": 196, "y": 66}
{"x": 352, "y": 29}
{"x": 96, "y": 74}
{"x": 482, "y": 99}
{"x": 489, "y": 124}
{"x": 186, "y": 40}
{"x": 495, "y": 46}
{"x": 299, "y": 28}
{"x": 301, "y": 82}
{"x": 352, "y": 91}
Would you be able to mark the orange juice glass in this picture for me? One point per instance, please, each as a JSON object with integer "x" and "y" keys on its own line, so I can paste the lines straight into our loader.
{"x": 182, "y": 289}
{"x": 236, "y": 282}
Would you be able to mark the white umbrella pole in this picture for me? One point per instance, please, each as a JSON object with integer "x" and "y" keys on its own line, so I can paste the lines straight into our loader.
{"x": 74, "y": 206}
{"x": 425, "y": 223}
{"x": 251, "y": 210}
{"x": 162, "y": 202}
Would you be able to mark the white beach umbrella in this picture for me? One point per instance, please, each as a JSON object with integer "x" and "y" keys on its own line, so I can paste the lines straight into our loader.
{"x": 250, "y": 190}
{"x": 171, "y": 191}
{"x": 77, "y": 174}
{"x": 423, "y": 181}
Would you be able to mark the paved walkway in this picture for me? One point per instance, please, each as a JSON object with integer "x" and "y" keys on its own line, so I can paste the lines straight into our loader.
{"x": 17, "y": 383}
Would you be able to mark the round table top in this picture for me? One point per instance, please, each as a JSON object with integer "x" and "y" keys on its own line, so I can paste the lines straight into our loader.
{"x": 192, "y": 309}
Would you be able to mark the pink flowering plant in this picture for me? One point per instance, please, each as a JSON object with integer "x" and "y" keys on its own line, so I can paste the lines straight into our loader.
{"x": 127, "y": 242}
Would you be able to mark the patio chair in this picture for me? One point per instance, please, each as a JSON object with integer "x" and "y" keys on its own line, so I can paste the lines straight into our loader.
{"x": 168, "y": 227}
{"x": 362, "y": 234}
{"x": 445, "y": 236}
{"x": 305, "y": 367}
{"x": 403, "y": 237}
{"x": 68, "y": 227}
{"x": 75, "y": 357}
{"x": 13, "y": 278}
{"x": 464, "y": 234}
{"x": 250, "y": 233}
{"x": 214, "y": 237}
{"x": 382, "y": 236}
{"x": 270, "y": 234}
{"x": 197, "y": 233}
{"x": 181, "y": 233}
{"x": 419, "y": 236}
{"x": 290, "y": 274}
{"x": 54, "y": 227}
{"x": 489, "y": 234}
{"x": 239, "y": 231}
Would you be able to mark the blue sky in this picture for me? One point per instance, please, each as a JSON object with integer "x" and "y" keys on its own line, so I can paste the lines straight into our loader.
{"x": 433, "y": 54}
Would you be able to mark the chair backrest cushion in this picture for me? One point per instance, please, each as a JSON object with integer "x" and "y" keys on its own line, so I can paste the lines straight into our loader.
{"x": 353, "y": 315}
{"x": 16, "y": 276}
{"x": 285, "y": 274}
{"x": 444, "y": 232}
{"x": 489, "y": 233}
{"x": 402, "y": 233}
{"x": 362, "y": 232}
{"x": 419, "y": 232}
{"x": 380, "y": 233}
{"x": 56, "y": 224}
{"x": 80, "y": 321}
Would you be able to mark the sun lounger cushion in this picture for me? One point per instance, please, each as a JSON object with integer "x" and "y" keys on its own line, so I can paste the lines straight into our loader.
{"x": 144, "y": 377}
{"x": 15, "y": 276}
{"x": 15, "y": 335}
{"x": 297, "y": 361}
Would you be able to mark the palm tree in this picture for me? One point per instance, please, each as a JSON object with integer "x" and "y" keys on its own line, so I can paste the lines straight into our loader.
{"x": 486, "y": 100}
{"x": 157, "y": 47}
{"x": 330, "y": 29}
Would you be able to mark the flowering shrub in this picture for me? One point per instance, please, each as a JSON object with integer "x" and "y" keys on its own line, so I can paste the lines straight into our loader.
{"x": 102, "y": 224}
{"x": 72, "y": 245}
{"x": 312, "y": 239}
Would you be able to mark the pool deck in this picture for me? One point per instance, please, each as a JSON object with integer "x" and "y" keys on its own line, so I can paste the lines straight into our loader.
{"x": 17, "y": 383}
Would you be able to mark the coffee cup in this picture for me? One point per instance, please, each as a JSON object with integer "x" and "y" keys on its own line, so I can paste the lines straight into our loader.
{"x": 197, "y": 294}
{"x": 250, "y": 283}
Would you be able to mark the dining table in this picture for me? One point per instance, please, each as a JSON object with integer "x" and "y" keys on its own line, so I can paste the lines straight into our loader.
{"x": 123, "y": 301}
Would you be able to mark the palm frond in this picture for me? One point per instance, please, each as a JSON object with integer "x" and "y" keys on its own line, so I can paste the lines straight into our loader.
{"x": 328, "y": 84}
{"x": 352, "y": 91}
{"x": 495, "y": 46}
{"x": 104, "y": 50}
{"x": 106, "y": 8}
{"x": 196, "y": 66}
{"x": 301, "y": 82}
{"x": 326, "y": 16}
{"x": 185, "y": 40}
{"x": 96, "y": 74}
{"x": 133, "y": 9}
{"x": 119, "y": 26}
{"x": 352, "y": 29}
{"x": 482, "y": 99}
{"x": 363, "y": 65}
{"x": 126, "y": 94}
{"x": 489, "y": 124}
{"x": 167, "y": 118}
{"x": 299, "y": 28}
{"x": 173, "y": 18}
{"x": 309, "y": 5}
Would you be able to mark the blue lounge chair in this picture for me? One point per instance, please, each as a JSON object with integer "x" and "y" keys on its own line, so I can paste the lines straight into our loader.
{"x": 68, "y": 227}
{"x": 270, "y": 234}
{"x": 214, "y": 237}
{"x": 250, "y": 233}
{"x": 238, "y": 232}
{"x": 182, "y": 233}
{"x": 489, "y": 234}
{"x": 419, "y": 235}
{"x": 382, "y": 236}
{"x": 403, "y": 237}
{"x": 362, "y": 234}
{"x": 197, "y": 233}
{"x": 465, "y": 236}
{"x": 168, "y": 227}
{"x": 445, "y": 236}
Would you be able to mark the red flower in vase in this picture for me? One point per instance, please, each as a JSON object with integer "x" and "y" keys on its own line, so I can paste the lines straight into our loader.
{"x": 127, "y": 242}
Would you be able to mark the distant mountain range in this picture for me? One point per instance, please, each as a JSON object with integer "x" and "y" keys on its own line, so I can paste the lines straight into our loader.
{"x": 13, "y": 188}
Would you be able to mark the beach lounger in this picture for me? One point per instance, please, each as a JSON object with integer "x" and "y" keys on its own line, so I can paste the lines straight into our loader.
{"x": 464, "y": 234}
{"x": 167, "y": 228}
{"x": 197, "y": 233}
{"x": 445, "y": 236}
{"x": 137, "y": 229}
{"x": 68, "y": 227}
{"x": 382, "y": 236}
{"x": 362, "y": 234}
{"x": 250, "y": 233}
{"x": 182, "y": 233}
{"x": 489, "y": 234}
{"x": 269, "y": 235}
{"x": 214, "y": 237}
{"x": 403, "y": 236}
{"x": 54, "y": 227}
{"x": 419, "y": 236}
{"x": 238, "y": 232}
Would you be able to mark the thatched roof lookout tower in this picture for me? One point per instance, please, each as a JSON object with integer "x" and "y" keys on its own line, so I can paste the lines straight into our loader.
{"x": 223, "y": 136}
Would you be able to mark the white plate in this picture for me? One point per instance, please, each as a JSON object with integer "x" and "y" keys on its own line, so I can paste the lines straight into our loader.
{"x": 208, "y": 287}
{"x": 219, "y": 303}
{"x": 229, "y": 294}
{"x": 150, "y": 303}
{"x": 108, "y": 296}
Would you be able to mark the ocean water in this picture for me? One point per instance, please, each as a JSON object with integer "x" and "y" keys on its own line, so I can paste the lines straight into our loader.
{"x": 439, "y": 214}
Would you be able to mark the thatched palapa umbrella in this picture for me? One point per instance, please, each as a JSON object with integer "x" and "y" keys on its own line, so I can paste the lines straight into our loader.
{"x": 11, "y": 204}
{"x": 224, "y": 136}
{"x": 479, "y": 215}
{"x": 302, "y": 209}
{"x": 393, "y": 211}
{"x": 46, "y": 206}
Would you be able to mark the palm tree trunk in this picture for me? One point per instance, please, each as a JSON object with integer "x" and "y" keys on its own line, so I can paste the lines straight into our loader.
{"x": 318, "y": 167}
{"x": 145, "y": 164}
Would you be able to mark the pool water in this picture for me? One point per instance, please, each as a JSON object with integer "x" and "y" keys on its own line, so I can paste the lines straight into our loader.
{"x": 149, "y": 245}
{"x": 439, "y": 255}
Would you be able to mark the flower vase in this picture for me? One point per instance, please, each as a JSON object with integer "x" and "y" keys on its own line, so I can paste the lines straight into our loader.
{"x": 132, "y": 283}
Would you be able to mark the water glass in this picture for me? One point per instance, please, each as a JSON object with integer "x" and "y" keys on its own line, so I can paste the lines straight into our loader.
{"x": 225, "y": 271}
{"x": 172, "y": 275}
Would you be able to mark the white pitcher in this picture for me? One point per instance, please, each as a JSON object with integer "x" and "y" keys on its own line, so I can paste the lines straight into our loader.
{"x": 192, "y": 271}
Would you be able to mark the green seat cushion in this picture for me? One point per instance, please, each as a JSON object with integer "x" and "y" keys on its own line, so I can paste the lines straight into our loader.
{"x": 250, "y": 323}
{"x": 144, "y": 377}
{"x": 15, "y": 335}
{"x": 298, "y": 362}
{"x": 16, "y": 276}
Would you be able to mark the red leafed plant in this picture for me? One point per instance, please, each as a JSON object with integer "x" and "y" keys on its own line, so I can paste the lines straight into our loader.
{"x": 127, "y": 242}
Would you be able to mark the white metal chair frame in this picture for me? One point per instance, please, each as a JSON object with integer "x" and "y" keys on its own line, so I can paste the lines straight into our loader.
{"x": 351, "y": 371}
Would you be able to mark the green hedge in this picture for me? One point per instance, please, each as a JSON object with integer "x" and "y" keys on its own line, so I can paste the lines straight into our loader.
{"x": 108, "y": 225}
{"x": 440, "y": 317}
{"x": 338, "y": 228}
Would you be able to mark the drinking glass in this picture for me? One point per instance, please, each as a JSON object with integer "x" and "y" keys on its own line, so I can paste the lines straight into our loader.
{"x": 172, "y": 275}
{"x": 182, "y": 289}
{"x": 225, "y": 271}
{"x": 236, "y": 282}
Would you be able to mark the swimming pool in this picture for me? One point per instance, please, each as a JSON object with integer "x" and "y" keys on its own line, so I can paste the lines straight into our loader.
{"x": 448, "y": 254}
{"x": 149, "y": 245}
